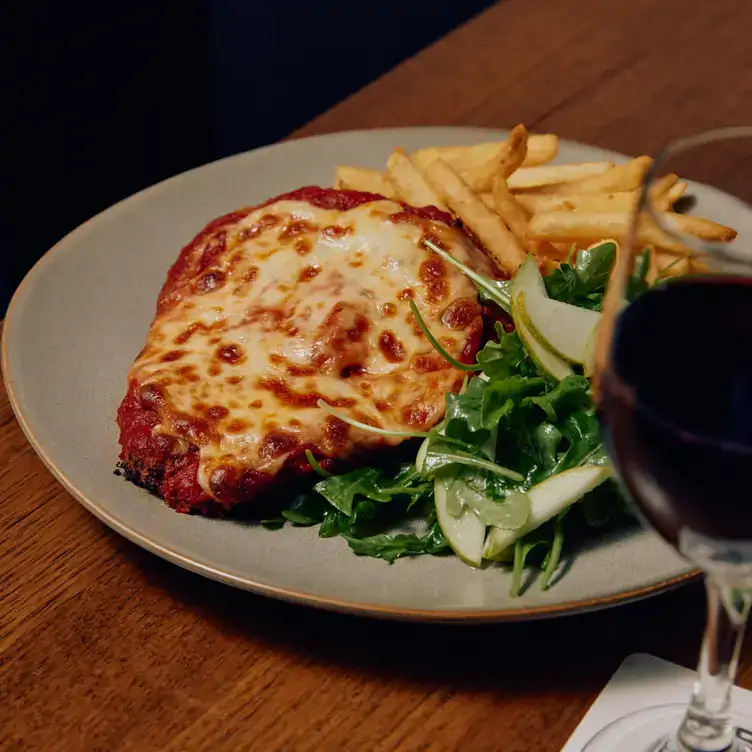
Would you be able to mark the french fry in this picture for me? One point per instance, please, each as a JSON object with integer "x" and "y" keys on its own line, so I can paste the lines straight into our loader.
{"x": 489, "y": 228}
{"x": 546, "y": 263}
{"x": 488, "y": 200}
{"x": 698, "y": 266}
{"x": 661, "y": 192}
{"x": 536, "y": 203}
{"x": 506, "y": 206}
{"x": 620, "y": 201}
{"x": 541, "y": 149}
{"x": 362, "y": 179}
{"x": 705, "y": 229}
{"x": 509, "y": 157}
{"x": 514, "y": 202}
{"x": 668, "y": 264}
{"x": 556, "y": 252}
{"x": 624, "y": 177}
{"x": 654, "y": 269}
{"x": 675, "y": 265}
{"x": 545, "y": 175}
{"x": 674, "y": 194}
{"x": 409, "y": 185}
{"x": 563, "y": 226}
{"x": 664, "y": 184}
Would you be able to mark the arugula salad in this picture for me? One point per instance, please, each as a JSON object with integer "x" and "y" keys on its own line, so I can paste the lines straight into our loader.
{"x": 517, "y": 465}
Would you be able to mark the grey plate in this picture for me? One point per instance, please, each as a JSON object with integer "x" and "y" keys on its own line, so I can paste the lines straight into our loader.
{"x": 81, "y": 315}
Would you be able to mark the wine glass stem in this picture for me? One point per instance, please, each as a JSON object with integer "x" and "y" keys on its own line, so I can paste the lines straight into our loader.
{"x": 707, "y": 726}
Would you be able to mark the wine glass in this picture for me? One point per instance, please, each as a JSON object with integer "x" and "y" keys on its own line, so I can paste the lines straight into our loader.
{"x": 673, "y": 384}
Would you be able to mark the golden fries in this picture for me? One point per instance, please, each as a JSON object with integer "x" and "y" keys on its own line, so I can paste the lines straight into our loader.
{"x": 536, "y": 203}
{"x": 664, "y": 264}
{"x": 567, "y": 226}
{"x": 489, "y": 228}
{"x": 535, "y": 177}
{"x": 361, "y": 179}
{"x": 541, "y": 149}
{"x": 563, "y": 226}
{"x": 664, "y": 185}
{"x": 545, "y": 263}
{"x": 673, "y": 195}
{"x": 625, "y": 177}
{"x": 509, "y": 157}
{"x": 698, "y": 266}
{"x": 408, "y": 184}
{"x": 705, "y": 229}
{"x": 665, "y": 193}
{"x": 506, "y": 206}
{"x": 513, "y": 202}
{"x": 673, "y": 265}
{"x": 487, "y": 199}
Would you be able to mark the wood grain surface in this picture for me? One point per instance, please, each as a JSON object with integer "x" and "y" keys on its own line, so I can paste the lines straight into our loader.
{"x": 106, "y": 647}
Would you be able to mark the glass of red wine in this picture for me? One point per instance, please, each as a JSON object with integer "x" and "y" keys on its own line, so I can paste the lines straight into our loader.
{"x": 673, "y": 385}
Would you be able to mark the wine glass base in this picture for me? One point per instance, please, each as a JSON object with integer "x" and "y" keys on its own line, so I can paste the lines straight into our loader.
{"x": 654, "y": 730}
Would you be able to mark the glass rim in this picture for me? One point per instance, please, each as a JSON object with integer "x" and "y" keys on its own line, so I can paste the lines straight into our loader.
{"x": 697, "y": 246}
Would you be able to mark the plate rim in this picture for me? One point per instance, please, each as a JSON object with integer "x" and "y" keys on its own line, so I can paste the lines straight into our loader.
{"x": 297, "y": 596}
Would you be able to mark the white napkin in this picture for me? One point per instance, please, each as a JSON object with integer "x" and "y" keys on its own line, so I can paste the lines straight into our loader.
{"x": 643, "y": 681}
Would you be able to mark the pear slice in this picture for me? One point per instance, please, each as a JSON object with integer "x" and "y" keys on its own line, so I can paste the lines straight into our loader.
{"x": 529, "y": 282}
{"x": 466, "y": 533}
{"x": 547, "y": 499}
{"x": 528, "y": 279}
{"x": 548, "y": 361}
{"x": 562, "y": 328}
{"x": 591, "y": 345}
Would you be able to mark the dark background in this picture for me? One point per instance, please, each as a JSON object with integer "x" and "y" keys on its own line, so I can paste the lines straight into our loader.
{"x": 101, "y": 100}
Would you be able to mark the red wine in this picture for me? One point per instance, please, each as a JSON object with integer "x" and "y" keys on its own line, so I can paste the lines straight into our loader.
{"x": 677, "y": 403}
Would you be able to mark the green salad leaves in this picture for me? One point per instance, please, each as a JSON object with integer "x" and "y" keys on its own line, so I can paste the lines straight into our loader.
{"x": 511, "y": 428}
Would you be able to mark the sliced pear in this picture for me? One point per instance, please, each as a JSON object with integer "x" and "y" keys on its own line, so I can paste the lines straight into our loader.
{"x": 509, "y": 514}
{"x": 466, "y": 533}
{"x": 590, "y": 350}
{"x": 562, "y": 328}
{"x": 547, "y": 499}
{"x": 546, "y": 360}
{"x": 528, "y": 279}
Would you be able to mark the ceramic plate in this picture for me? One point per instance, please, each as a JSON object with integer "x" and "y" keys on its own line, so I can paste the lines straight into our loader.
{"x": 81, "y": 316}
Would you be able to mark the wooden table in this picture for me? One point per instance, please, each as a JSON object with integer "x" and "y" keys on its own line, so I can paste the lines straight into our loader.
{"x": 106, "y": 647}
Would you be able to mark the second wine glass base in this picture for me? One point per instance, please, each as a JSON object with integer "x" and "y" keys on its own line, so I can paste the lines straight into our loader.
{"x": 654, "y": 730}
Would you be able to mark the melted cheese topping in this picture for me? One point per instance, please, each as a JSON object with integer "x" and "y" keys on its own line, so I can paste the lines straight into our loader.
{"x": 303, "y": 304}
